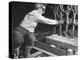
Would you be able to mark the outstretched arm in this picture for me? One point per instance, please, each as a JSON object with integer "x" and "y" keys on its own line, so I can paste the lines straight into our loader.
{"x": 39, "y": 18}
{"x": 42, "y": 19}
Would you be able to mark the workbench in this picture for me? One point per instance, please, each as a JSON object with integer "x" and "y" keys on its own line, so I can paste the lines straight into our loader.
{"x": 56, "y": 45}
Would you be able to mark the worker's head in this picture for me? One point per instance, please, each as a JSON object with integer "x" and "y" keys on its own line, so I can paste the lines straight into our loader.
{"x": 40, "y": 7}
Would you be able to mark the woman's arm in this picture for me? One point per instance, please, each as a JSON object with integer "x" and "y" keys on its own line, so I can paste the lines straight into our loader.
{"x": 42, "y": 19}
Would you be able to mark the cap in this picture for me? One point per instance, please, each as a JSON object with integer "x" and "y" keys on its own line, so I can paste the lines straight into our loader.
{"x": 40, "y": 5}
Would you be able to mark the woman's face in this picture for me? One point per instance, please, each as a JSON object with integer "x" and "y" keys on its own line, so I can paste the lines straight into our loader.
{"x": 41, "y": 10}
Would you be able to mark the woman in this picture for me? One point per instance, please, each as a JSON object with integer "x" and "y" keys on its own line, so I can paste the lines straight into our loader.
{"x": 27, "y": 27}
